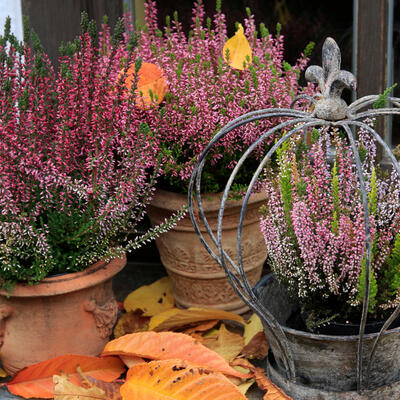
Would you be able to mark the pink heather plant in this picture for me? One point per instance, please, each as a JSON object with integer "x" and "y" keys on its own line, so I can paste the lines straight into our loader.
{"x": 205, "y": 92}
{"x": 77, "y": 165}
{"x": 313, "y": 225}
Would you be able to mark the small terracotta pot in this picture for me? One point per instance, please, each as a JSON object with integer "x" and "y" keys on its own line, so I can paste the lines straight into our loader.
{"x": 68, "y": 313}
{"x": 197, "y": 279}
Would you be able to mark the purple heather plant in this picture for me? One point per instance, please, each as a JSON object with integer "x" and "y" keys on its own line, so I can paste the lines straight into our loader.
{"x": 313, "y": 225}
{"x": 77, "y": 165}
{"x": 205, "y": 92}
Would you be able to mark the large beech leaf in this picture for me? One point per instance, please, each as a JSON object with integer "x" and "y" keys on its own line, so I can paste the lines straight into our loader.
{"x": 176, "y": 317}
{"x": 151, "y": 299}
{"x": 37, "y": 380}
{"x": 177, "y": 380}
{"x": 238, "y": 50}
{"x": 169, "y": 345}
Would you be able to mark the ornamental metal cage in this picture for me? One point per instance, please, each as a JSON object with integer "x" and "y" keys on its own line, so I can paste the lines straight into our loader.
{"x": 328, "y": 110}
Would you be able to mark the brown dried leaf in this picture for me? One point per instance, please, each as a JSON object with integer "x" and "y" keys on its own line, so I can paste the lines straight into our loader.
{"x": 272, "y": 391}
{"x": 227, "y": 344}
{"x": 257, "y": 347}
{"x": 130, "y": 322}
{"x": 252, "y": 327}
{"x": 205, "y": 326}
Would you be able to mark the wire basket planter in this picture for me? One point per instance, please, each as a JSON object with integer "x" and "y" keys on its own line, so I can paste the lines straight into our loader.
{"x": 329, "y": 110}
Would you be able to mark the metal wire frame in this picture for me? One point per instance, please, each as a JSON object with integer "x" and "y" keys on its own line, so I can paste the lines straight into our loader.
{"x": 301, "y": 120}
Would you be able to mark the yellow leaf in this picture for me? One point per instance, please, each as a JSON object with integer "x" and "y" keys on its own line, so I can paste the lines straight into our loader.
{"x": 240, "y": 54}
{"x": 227, "y": 344}
{"x": 151, "y": 299}
{"x": 175, "y": 317}
{"x": 244, "y": 387}
{"x": 3, "y": 374}
{"x": 253, "y": 326}
{"x": 177, "y": 380}
{"x": 64, "y": 389}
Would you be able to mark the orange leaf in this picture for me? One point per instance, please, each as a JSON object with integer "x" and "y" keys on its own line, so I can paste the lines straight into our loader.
{"x": 176, "y": 317}
{"x": 150, "y": 78}
{"x": 177, "y": 380}
{"x": 273, "y": 392}
{"x": 37, "y": 380}
{"x": 238, "y": 47}
{"x": 168, "y": 345}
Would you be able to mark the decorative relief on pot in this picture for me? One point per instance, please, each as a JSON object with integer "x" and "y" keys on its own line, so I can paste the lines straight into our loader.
{"x": 105, "y": 315}
{"x": 207, "y": 291}
{"x": 5, "y": 312}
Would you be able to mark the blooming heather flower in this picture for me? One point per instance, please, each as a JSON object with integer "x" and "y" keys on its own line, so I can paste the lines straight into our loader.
{"x": 318, "y": 249}
{"x": 77, "y": 163}
{"x": 205, "y": 93}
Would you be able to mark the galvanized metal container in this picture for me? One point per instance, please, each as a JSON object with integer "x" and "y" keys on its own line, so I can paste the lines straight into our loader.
{"x": 325, "y": 363}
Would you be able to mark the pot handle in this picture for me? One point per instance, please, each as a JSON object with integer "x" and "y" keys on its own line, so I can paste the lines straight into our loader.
{"x": 105, "y": 315}
{"x": 5, "y": 312}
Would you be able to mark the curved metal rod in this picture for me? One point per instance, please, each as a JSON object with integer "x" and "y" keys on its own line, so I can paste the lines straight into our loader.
{"x": 368, "y": 100}
{"x": 396, "y": 312}
{"x": 311, "y": 99}
{"x": 374, "y": 113}
{"x": 364, "y": 99}
{"x": 197, "y": 170}
{"x": 365, "y": 304}
{"x": 267, "y": 317}
{"x": 234, "y": 172}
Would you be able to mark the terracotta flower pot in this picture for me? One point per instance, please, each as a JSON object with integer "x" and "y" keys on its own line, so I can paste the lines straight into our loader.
{"x": 68, "y": 313}
{"x": 197, "y": 279}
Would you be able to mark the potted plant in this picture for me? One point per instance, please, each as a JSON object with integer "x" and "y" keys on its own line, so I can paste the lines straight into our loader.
{"x": 331, "y": 224}
{"x": 77, "y": 169}
{"x": 211, "y": 81}
{"x": 314, "y": 227}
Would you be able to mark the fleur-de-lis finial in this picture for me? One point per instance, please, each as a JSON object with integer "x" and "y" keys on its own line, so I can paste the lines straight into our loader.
{"x": 332, "y": 80}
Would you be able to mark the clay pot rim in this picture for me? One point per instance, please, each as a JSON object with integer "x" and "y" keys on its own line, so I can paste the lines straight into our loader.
{"x": 95, "y": 274}
{"x": 210, "y": 201}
